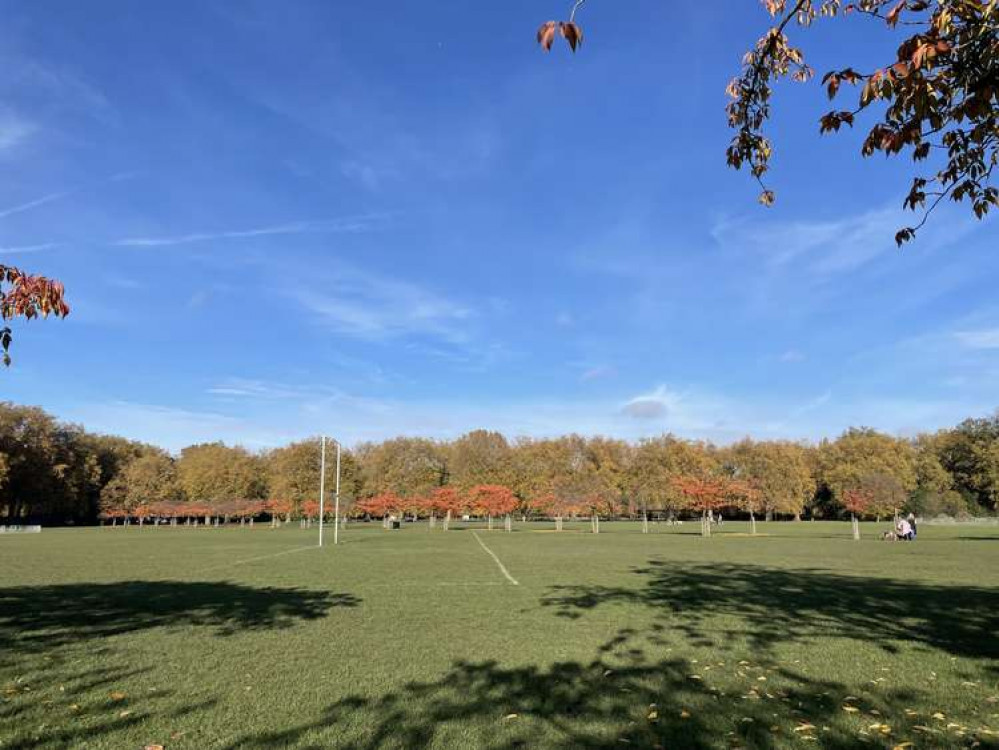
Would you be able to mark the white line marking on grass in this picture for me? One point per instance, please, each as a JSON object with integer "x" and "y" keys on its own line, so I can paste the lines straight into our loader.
{"x": 492, "y": 554}
{"x": 261, "y": 557}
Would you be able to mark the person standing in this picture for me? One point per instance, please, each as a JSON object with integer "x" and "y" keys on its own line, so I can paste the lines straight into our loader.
{"x": 912, "y": 522}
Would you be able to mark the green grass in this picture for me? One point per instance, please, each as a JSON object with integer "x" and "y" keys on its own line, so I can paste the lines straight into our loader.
{"x": 209, "y": 638}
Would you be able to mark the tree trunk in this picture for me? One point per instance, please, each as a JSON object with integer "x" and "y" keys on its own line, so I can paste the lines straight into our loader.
{"x": 490, "y": 523}
{"x": 752, "y": 523}
{"x": 797, "y": 516}
{"x": 645, "y": 523}
{"x": 433, "y": 520}
{"x": 705, "y": 523}
{"x": 447, "y": 521}
{"x": 856, "y": 526}
{"x": 558, "y": 523}
{"x": 509, "y": 523}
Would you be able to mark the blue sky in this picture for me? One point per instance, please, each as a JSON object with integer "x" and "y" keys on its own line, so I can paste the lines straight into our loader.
{"x": 381, "y": 218}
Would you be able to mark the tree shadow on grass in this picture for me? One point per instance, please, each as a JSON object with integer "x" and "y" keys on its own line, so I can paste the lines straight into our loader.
{"x": 768, "y": 606}
{"x": 44, "y": 617}
{"x": 619, "y": 699}
{"x": 60, "y": 682}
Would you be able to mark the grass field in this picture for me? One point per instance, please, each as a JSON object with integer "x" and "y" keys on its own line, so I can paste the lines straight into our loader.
{"x": 238, "y": 638}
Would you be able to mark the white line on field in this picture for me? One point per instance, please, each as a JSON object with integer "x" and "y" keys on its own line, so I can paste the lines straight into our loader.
{"x": 261, "y": 557}
{"x": 492, "y": 554}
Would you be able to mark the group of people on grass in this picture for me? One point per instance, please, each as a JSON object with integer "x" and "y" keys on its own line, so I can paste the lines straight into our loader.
{"x": 905, "y": 528}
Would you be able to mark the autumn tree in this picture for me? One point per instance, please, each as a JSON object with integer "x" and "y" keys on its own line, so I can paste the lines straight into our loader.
{"x": 859, "y": 455}
{"x": 704, "y": 495}
{"x": 657, "y": 462}
{"x": 550, "y": 505}
{"x": 51, "y": 470}
{"x": 293, "y": 474}
{"x": 588, "y": 478}
{"x": 150, "y": 478}
{"x": 480, "y": 457}
{"x": 886, "y": 495}
{"x": 857, "y": 501}
{"x": 779, "y": 470}
{"x": 746, "y": 496}
{"x": 404, "y": 466}
{"x": 384, "y": 506}
{"x": 214, "y": 471}
{"x": 934, "y": 97}
{"x": 970, "y": 454}
{"x": 492, "y": 500}
{"x": 23, "y": 295}
{"x": 446, "y": 502}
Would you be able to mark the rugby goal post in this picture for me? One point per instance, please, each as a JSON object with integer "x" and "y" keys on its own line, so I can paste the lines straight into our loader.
{"x": 322, "y": 490}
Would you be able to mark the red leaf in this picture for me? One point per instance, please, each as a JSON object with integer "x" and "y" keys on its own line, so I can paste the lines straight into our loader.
{"x": 546, "y": 35}
{"x": 572, "y": 34}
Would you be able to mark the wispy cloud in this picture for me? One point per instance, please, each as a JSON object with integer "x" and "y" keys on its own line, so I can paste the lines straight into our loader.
{"x": 812, "y": 405}
{"x": 598, "y": 373}
{"x": 13, "y": 130}
{"x": 982, "y": 339}
{"x": 792, "y": 356}
{"x": 369, "y": 306}
{"x": 175, "y": 428}
{"x": 26, "y": 249}
{"x": 34, "y": 204}
{"x": 262, "y": 389}
{"x": 370, "y": 176}
{"x": 361, "y": 223}
{"x": 823, "y": 248}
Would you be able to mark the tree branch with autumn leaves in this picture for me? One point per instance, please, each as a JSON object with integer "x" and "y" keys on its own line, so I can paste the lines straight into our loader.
{"x": 24, "y": 295}
{"x": 939, "y": 92}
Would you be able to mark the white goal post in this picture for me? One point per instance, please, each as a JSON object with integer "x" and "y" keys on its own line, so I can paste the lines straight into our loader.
{"x": 322, "y": 490}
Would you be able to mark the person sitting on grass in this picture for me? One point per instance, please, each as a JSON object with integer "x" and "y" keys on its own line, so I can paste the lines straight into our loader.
{"x": 904, "y": 530}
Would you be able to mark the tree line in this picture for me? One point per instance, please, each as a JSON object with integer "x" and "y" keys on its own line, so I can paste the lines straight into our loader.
{"x": 54, "y": 472}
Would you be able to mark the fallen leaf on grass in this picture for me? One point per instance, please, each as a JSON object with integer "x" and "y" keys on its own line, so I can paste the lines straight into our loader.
{"x": 851, "y": 709}
{"x": 509, "y": 716}
{"x": 153, "y": 747}
{"x": 902, "y": 746}
{"x": 116, "y": 695}
{"x": 939, "y": 716}
{"x": 123, "y": 714}
{"x": 685, "y": 714}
